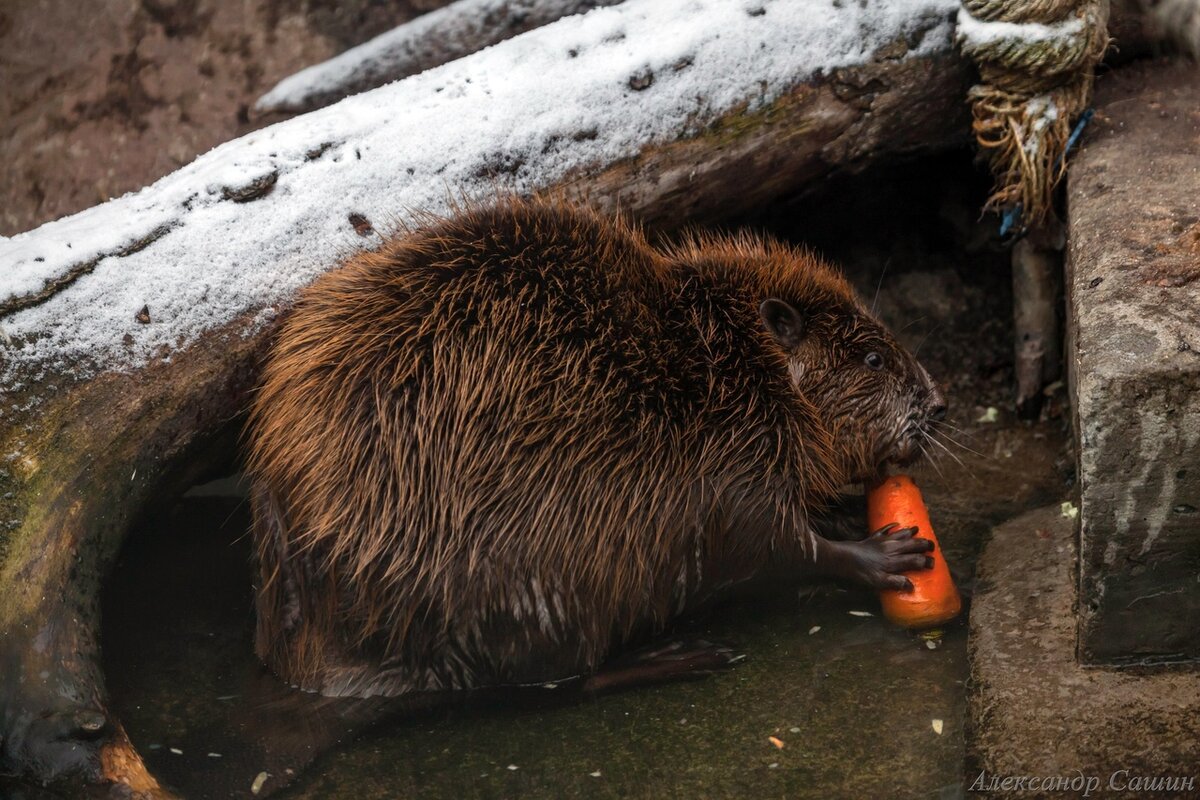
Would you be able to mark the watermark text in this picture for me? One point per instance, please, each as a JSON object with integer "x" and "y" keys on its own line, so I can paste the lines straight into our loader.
{"x": 1084, "y": 785}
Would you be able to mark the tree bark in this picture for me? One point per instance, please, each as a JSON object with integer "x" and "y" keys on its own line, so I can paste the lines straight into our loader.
{"x": 85, "y": 455}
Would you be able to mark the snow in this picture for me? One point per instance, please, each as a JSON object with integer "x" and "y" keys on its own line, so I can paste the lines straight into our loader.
{"x": 977, "y": 33}
{"x": 387, "y": 56}
{"x": 1043, "y": 112}
{"x": 414, "y": 145}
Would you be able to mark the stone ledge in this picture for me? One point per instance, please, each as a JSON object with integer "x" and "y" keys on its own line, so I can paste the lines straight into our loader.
{"x": 1133, "y": 291}
{"x": 1033, "y": 710}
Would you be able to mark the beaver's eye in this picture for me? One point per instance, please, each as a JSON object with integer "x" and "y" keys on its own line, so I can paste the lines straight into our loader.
{"x": 874, "y": 361}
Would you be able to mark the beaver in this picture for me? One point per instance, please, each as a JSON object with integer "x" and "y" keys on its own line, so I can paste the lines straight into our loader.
{"x": 508, "y": 444}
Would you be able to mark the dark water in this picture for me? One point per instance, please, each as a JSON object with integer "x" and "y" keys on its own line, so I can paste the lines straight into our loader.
{"x": 853, "y": 703}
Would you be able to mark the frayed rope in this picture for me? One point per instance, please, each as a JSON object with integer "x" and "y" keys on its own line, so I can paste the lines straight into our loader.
{"x": 1036, "y": 59}
{"x": 1012, "y": 215}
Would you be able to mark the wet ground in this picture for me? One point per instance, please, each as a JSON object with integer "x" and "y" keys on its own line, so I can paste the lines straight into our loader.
{"x": 857, "y": 708}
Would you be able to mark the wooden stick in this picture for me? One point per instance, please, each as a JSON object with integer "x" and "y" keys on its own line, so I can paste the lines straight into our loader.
{"x": 1037, "y": 291}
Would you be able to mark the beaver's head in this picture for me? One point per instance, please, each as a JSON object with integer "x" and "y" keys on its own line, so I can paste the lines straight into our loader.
{"x": 878, "y": 403}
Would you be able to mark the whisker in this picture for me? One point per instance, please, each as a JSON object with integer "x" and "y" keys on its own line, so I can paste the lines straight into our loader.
{"x": 933, "y": 462}
{"x": 959, "y": 444}
{"x": 948, "y": 425}
{"x": 917, "y": 352}
{"x": 879, "y": 285}
{"x": 952, "y": 426}
{"x": 969, "y": 435}
{"x": 952, "y": 454}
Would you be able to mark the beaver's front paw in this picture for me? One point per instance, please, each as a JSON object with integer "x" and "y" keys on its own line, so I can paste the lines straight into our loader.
{"x": 880, "y": 560}
{"x": 843, "y": 520}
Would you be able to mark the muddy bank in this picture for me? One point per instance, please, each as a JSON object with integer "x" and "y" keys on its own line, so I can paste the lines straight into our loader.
{"x": 98, "y": 103}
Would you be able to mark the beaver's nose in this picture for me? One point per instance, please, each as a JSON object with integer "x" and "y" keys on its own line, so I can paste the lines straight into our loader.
{"x": 936, "y": 403}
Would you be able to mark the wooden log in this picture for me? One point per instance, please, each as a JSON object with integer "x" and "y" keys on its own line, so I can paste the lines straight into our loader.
{"x": 133, "y": 331}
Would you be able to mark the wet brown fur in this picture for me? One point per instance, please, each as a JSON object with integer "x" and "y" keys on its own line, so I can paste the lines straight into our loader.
{"x": 513, "y": 440}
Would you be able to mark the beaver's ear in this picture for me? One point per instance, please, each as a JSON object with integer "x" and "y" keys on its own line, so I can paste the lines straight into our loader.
{"x": 783, "y": 321}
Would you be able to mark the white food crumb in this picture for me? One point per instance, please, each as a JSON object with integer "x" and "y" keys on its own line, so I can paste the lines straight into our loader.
{"x": 991, "y": 415}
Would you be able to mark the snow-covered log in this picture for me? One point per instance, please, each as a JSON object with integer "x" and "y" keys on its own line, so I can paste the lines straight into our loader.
{"x": 132, "y": 331}
{"x": 430, "y": 40}
{"x": 466, "y": 26}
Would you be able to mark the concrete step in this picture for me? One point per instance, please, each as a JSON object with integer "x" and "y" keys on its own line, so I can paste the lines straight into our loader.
{"x": 1039, "y": 722}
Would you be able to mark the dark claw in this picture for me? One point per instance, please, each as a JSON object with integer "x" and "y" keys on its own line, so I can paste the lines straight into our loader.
{"x": 887, "y": 532}
{"x": 662, "y": 651}
{"x": 893, "y": 546}
{"x": 88, "y": 723}
{"x": 908, "y": 563}
{"x": 884, "y": 530}
{"x": 897, "y": 582}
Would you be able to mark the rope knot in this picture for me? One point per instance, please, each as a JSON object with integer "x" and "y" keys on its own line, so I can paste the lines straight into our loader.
{"x": 1035, "y": 60}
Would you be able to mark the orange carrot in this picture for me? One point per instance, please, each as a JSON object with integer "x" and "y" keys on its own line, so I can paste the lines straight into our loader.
{"x": 934, "y": 598}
